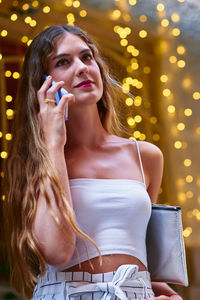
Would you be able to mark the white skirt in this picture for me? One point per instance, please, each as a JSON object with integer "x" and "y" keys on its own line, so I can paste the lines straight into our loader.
{"x": 126, "y": 283}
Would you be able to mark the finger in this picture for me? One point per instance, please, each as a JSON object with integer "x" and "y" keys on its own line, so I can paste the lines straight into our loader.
{"x": 63, "y": 103}
{"x": 41, "y": 94}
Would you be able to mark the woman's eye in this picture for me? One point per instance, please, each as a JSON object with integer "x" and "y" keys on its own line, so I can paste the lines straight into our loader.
{"x": 62, "y": 62}
{"x": 87, "y": 56}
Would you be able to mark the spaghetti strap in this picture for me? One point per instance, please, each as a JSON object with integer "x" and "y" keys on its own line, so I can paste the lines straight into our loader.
{"x": 140, "y": 160}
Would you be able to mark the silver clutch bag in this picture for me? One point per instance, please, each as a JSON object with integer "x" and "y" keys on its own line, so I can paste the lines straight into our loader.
{"x": 165, "y": 245}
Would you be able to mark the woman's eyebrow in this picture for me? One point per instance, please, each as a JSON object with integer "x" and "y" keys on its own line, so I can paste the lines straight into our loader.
{"x": 66, "y": 54}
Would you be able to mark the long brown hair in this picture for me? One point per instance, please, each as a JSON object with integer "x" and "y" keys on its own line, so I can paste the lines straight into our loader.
{"x": 29, "y": 165}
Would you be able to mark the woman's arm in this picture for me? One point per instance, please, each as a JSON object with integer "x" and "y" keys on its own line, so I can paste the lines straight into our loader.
{"x": 56, "y": 249}
{"x": 153, "y": 167}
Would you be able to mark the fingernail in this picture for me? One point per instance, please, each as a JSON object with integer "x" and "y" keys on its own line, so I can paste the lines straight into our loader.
{"x": 49, "y": 76}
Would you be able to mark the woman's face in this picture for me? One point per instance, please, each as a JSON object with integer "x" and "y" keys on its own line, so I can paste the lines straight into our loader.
{"x": 72, "y": 61}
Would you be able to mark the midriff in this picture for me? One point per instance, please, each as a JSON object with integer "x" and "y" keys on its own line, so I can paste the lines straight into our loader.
{"x": 110, "y": 263}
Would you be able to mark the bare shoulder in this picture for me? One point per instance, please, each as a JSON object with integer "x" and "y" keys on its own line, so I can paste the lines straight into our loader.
{"x": 149, "y": 150}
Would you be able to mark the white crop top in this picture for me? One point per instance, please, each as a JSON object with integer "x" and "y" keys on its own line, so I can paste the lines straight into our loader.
{"x": 114, "y": 213}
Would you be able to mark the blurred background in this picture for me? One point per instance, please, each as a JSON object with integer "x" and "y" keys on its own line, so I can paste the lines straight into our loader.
{"x": 153, "y": 49}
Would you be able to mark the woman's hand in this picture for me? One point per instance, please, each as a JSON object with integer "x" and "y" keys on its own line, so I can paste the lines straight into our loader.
{"x": 163, "y": 297}
{"x": 51, "y": 115}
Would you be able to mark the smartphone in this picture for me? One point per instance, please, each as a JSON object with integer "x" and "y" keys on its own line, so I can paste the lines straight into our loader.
{"x": 58, "y": 95}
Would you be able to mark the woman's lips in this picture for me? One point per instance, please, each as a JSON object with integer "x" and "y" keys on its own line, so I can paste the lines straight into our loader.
{"x": 84, "y": 84}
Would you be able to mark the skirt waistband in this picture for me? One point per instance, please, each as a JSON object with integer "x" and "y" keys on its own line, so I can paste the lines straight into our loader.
{"x": 119, "y": 283}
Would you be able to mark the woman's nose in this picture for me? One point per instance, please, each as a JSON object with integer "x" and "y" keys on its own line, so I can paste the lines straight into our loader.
{"x": 81, "y": 67}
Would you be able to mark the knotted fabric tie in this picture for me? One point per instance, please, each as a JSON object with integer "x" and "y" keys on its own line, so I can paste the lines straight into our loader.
{"x": 112, "y": 288}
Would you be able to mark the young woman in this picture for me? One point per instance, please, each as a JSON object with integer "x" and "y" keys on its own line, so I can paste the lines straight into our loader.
{"x": 79, "y": 196}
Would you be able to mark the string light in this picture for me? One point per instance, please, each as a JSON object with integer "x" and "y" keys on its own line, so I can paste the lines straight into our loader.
{"x": 160, "y": 7}
{"x": 143, "y": 18}
{"x": 175, "y": 17}
{"x": 143, "y": 34}
{"x": 46, "y": 9}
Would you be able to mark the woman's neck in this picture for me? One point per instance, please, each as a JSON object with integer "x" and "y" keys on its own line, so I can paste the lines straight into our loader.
{"x": 84, "y": 128}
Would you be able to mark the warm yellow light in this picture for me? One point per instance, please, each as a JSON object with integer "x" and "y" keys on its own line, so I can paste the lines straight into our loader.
{"x": 116, "y": 14}
{"x": 176, "y": 32}
{"x": 68, "y": 3}
{"x": 189, "y": 178}
{"x": 139, "y": 85}
{"x": 135, "y": 52}
{"x": 76, "y": 4}
{"x": 137, "y": 134}
{"x": 46, "y": 9}
{"x": 130, "y": 121}
{"x": 8, "y": 73}
{"x": 70, "y": 19}
{"x": 25, "y": 6}
{"x": 163, "y": 45}
{"x": 126, "y": 17}
{"x": 135, "y": 82}
{"x": 1, "y": 56}
{"x": 175, "y": 17}
{"x": 8, "y": 98}
{"x": 3, "y": 197}
{"x": 143, "y": 34}
{"x": 181, "y": 1}
{"x": 16, "y": 75}
{"x": 29, "y": 42}
{"x": 1, "y": 134}
{"x": 83, "y": 13}
{"x": 197, "y": 130}
{"x": 188, "y": 230}
{"x": 156, "y": 137}
{"x": 196, "y": 95}
{"x": 160, "y": 7}
{"x": 180, "y": 126}
{"x": 125, "y": 88}
{"x": 171, "y": 109}
{"x": 147, "y": 70}
{"x": 124, "y": 42}
{"x": 189, "y": 194}
{"x": 142, "y": 137}
{"x": 132, "y": 2}
{"x": 27, "y": 20}
{"x": 35, "y": 3}
{"x": 153, "y": 120}
{"x": 166, "y": 92}
{"x": 8, "y": 136}
{"x": 129, "y": 101}
{"x": 165, "y": 22}
{"x": 9, "y": 113}
{"x": 187, "y": 162}
{"x": 33, "y": 23}
{"x": 186, "y": 83}
{"x": 129, "y": 80}
{"x": 181, "y": 198}
{"x": 134, "y": 66}
{"x": 138, "y": 119}
{"x": 181, "y": 63}
{"x": 181, "y": 50}
{"x": 130, "y": 48}
{"x": 187, "y": 112}
{"x": 163, "y": 78}
{"x": 178, "y": 144}
{"x": 172, "y": 59}
{"x": 4, "y": 33}
{"x": 13, "y": 17}
{"x": 24, "y": 39}
{"x": 4, "y": 154}
{"x": 198, "y": 181}
{"x": 137, "y": 100}
{"x": 143, "y": 18}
